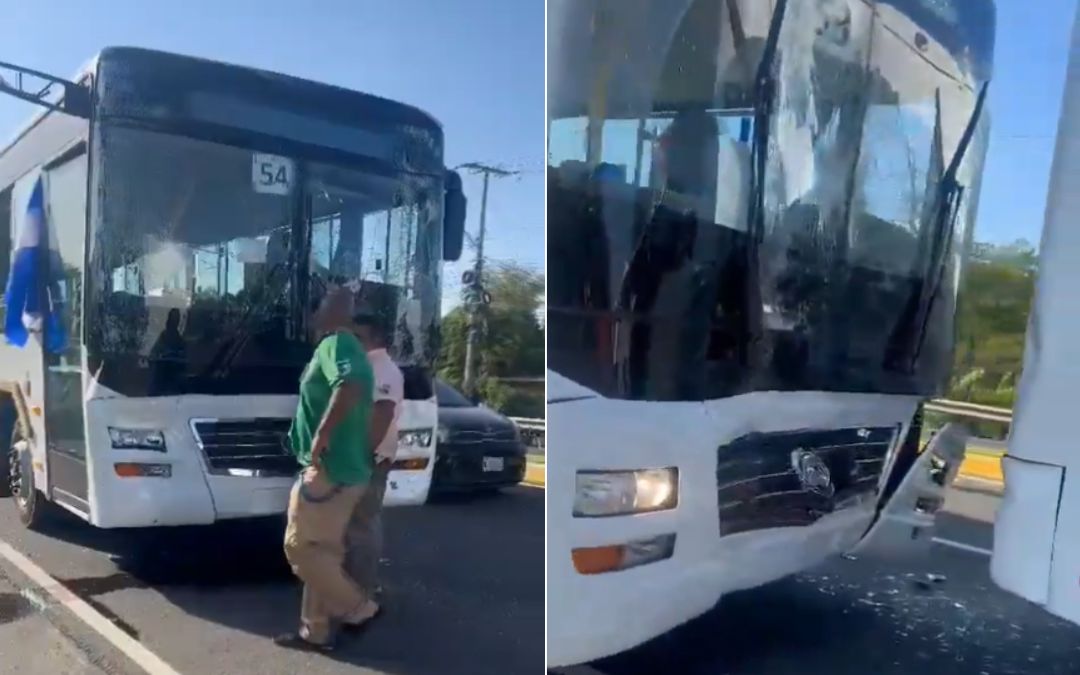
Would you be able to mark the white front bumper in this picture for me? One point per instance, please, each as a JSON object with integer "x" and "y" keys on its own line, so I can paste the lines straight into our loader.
{"x": 192, "y": 495}
{"x": 597, "y": 615}
{"x": 408, "y": 488}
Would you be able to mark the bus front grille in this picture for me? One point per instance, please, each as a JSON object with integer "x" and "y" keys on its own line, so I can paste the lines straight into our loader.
{"x": 792, "y": 479}
{"x": 253, "y": 447}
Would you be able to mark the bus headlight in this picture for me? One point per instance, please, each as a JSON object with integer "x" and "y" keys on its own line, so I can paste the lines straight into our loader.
{"x": 137, "y": 439}
{"x": 417, "y": 438}
{"x": 615, "y": 493}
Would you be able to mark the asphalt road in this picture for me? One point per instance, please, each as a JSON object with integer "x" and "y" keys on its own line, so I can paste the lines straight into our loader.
{"x": 463, "y": 581}
{"x": 853, "y": 617}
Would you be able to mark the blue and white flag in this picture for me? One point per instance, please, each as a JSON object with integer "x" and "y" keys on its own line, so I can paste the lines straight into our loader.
{"x": 33, "y": 296}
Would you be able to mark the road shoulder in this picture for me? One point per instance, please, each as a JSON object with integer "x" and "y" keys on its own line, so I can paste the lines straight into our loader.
{"x": 39, "y": 635}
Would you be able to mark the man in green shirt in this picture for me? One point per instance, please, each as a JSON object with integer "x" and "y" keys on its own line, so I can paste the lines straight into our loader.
{"x": 329, "y": 436}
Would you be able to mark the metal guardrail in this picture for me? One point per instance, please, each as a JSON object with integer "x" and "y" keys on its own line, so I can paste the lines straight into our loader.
{"x": 532, "y": 431}
{"x": 971, "y": 410}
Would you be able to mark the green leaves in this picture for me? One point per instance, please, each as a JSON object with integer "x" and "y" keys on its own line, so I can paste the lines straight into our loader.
{"x": 995, "y": 300}
{"x": 511, "y": 343}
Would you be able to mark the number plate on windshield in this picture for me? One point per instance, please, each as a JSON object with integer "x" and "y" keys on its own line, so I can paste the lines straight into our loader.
{"x": 493, "y": 464}
{"x": 271, "y": 174}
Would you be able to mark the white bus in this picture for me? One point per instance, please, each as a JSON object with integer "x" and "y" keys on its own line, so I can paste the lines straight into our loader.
{"x": 759, "y": 210}
{"x": 1036, "y": 547}
{"x": 198, "y": 211}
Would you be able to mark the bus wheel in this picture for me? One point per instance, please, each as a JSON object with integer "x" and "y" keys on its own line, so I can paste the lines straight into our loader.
{"x": 29, "y": 502}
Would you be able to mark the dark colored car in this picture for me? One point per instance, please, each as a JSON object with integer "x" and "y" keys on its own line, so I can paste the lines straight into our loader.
{"x": 478, "y": 449}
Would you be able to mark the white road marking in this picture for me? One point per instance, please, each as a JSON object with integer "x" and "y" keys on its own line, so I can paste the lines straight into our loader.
{"x": 132, "y": 648}
{"x": 963, "y": 547}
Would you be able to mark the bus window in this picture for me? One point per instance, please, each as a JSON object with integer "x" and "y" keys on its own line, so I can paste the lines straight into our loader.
{"x": 65, "y": 190}
{"x": 326, "y": 244}
{"x": 649, "y": 197}
{"x": 894, "y": 179}
{"x": 349, "y": 241}
{"x": 374, "y": 256}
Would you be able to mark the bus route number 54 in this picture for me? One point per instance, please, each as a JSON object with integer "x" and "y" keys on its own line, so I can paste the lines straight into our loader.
{"x": 272, "y": 174}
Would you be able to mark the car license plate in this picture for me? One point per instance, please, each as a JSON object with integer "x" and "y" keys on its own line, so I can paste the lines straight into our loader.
{"x": 493, "y": 464}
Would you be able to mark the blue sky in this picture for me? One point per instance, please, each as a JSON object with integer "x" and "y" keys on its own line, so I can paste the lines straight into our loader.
{"x": 477, "y": 65}
{"x": 1025, "y": 101}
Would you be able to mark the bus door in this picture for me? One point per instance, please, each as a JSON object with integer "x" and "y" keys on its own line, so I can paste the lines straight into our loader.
{"x": 65, "y": 428}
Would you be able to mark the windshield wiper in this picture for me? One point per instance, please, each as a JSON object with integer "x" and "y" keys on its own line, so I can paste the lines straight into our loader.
{"x": 297, "y": 274}
{"x": 764, "y": 103}
{"x": 227, "y": 353}
{"x": 950, "y": 194}
{"x": 764, "y": 100}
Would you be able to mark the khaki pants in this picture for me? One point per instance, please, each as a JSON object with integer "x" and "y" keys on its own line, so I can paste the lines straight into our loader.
{"x": 363, "y": 540}
{"x": 319, "y": 514}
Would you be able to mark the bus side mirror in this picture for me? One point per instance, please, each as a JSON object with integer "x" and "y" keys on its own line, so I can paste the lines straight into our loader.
{"x": 77, "y": 101}
{"x": 454, "y": 208}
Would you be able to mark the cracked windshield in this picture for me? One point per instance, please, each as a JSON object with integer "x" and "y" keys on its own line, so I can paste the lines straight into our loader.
{"x": 204, "y": 268}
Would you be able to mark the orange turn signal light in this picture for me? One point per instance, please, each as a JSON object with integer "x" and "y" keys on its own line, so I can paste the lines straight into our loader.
{"x": 414, "y": 464}
{"x": 597, "y": 560}
{"x": 601, "y": 559}
{"x": 139, "y": 470}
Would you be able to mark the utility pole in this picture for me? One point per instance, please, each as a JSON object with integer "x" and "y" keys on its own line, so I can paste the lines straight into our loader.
{"x": 475, "y": 302}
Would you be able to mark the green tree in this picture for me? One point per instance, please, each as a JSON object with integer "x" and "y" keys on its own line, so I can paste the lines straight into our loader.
{"x": 995, "y": 301}
{"x": 512, "y": 346}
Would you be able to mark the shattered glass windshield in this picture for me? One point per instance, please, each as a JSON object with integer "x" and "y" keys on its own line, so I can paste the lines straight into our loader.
{"x": 208, "y": 259}
{"x": 749, "y": 200}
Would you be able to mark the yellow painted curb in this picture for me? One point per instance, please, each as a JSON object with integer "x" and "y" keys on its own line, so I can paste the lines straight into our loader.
{"x": 982, "y": 466}
{"x": 534, "y": 475}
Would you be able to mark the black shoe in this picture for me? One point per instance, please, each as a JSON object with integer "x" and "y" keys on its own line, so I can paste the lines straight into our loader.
{"x": 295, "y": 641}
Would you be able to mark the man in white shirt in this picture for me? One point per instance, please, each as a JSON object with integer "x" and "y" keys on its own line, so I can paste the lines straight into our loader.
{"x": 364, "y": 536}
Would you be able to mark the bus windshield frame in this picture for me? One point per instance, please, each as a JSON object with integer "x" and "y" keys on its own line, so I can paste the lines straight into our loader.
{"x": 202, "y": 281}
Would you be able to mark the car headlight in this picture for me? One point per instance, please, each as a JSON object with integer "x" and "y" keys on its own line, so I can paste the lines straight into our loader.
{"x": 417, "y": 438}
{"x": 616, "y": 493}
{"x": 137, "y": 439}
